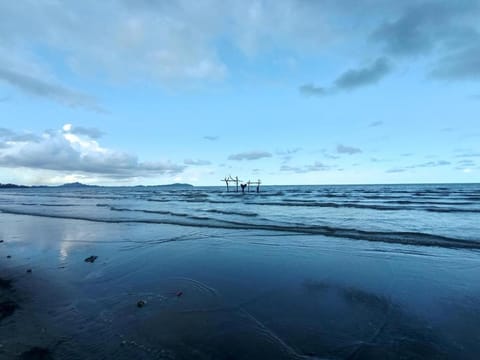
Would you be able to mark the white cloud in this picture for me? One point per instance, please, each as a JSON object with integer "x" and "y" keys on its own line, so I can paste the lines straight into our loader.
{"x": 67, "y": 152}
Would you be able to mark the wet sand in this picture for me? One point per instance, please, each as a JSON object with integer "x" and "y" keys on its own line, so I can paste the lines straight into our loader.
{"x": 229, "y": 294}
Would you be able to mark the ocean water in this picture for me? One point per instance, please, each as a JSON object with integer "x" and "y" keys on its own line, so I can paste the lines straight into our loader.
{"x": 292, "y": 272}
{"x": 441, "y": 215}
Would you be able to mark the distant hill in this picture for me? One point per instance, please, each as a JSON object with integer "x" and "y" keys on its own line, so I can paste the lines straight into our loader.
{"x": 12, "y": 186}
{"x": 78, "y": 185}
{"x": 75, "y": 185}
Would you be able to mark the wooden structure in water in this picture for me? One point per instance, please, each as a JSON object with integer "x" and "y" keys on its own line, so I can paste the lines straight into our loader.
{"x": 243, "y": 185}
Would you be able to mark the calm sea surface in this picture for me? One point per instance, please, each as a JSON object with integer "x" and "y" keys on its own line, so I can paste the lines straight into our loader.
{"x": 441, "y": 215}
{"x": 292, "y": 272}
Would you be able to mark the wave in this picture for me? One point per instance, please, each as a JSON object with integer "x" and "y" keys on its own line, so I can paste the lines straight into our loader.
{"x": 363, "y": 206}
{"x": 166, "y": 212}
{"x": 53, "y": 205}
{"x": 399, "y": 205}
{"x": 160, "y": 212}
{"x": 408, "y": 238}
{"x": 229, "y": 212}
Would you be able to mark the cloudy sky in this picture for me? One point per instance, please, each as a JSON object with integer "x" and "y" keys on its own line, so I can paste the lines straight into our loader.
{"x": 291, "y": 92}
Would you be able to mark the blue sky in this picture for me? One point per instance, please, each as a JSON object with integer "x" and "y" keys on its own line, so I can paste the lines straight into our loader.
{"x": 291, "y": 92}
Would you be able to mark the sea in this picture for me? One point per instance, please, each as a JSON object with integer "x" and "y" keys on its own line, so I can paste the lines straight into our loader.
{"x": 432, "y": 214}
{"x": 290, "y": 272}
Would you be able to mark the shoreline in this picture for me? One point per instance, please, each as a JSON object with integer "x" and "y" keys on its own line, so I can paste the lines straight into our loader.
{"x": 242, "y": 293}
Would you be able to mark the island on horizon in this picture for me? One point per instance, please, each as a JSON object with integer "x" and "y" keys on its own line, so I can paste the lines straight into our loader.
{"x": 77, "y": 185}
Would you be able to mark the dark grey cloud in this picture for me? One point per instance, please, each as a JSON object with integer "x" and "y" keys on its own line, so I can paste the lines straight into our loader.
{"x": 472, "y": 154}
{"x": 467, "y": 162}
{"x": 38, "y": 87}
{"x": 288, "y": 151}
{"x": 429, "y": 164}
{"x": 53, "y": 151}
{"x": 196, "y": 162}
{"x": 5, "y": 133}
{"x": 375, "y": 123}
{"x": 371, "y": 74}
{"x": 396, "y": 170}
{"x": 426, "y": 25}
{"x": 25, "y": 137}
{"x": 350, "y": 150}
{"x": 463, "y": 64}
{"x": 466, "y": 165}
{"x": 211, "y": 138}
{"x": 90, "y": 132}
{"x": 446, "y": 30}
{"x": 330, "y": 156}
{"x": 316, "y": 166}
{"x": 8, "y": 135}
{"x": 313, "y": 90}
{"x": 250, "y": 155}
{"x": 352, "y": 79}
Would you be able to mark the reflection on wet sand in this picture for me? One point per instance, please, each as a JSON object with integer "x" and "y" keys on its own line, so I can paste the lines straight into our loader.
{"x": 224, "y": 295}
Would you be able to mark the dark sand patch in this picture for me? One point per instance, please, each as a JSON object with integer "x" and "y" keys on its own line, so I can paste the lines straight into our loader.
{"x": 5, "y": 284}
{"x": 7, "y": 308}
{"x": 36, "y": 353}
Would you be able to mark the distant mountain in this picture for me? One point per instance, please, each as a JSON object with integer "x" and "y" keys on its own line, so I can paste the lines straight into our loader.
{"x": 12, "y": 186}
{"x": 78, "y": 185}
{"x": 75, "y": 185}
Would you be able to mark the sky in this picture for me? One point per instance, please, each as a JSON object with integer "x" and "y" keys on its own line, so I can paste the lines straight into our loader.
{"x": 151, "y": 92}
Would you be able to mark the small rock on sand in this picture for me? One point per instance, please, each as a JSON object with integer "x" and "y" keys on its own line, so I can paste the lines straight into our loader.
{"x": 9, "y": 256}
{"x": 141, "y": 303}
{"x": 29, "y": 270}
{"x": 91, "y": 259}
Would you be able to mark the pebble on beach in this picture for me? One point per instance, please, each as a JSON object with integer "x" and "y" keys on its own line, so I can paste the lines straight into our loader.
{"x": 9, "y": 256}
{"x": 91, "y": 259}
{"x": 141, "y": 303}
{"x": 29, "y": 270}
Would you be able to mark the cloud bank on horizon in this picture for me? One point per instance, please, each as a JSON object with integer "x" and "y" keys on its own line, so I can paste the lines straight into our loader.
{"x": 188, "y": 91}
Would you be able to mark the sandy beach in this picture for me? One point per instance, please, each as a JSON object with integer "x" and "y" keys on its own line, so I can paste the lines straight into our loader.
{"x": 229, "y": 294}
{"x": 239, "y": 180}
